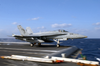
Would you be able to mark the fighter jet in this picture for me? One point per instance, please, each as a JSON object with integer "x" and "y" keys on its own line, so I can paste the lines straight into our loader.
{"x": 50, "y": 36}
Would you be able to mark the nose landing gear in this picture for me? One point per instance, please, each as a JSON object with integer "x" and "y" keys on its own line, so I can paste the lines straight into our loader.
{"x": 58, "y": 43}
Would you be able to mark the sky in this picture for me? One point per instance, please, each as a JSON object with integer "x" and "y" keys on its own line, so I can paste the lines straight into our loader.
{"x": 75, "y": 16}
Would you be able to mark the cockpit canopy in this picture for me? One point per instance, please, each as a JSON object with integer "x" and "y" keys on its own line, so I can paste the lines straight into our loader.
{"x": 62, "y": 31}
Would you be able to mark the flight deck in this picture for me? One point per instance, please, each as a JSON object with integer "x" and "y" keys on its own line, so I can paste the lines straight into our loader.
{"x": 37, "y": 51}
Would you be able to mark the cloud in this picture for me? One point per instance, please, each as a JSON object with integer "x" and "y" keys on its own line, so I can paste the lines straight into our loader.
{"x": 97, "y": 24}
{"x": 61, "y": 25}
{"x": 41, "y": 27}
{"x": 97, "y": 28}
{"x": 37, "y": 18}
{"x": 14, "y": 23}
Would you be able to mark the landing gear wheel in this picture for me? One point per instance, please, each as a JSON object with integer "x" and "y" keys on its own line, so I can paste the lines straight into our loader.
{"x": 58, "y": 45}
{"x": 31, "y": 45}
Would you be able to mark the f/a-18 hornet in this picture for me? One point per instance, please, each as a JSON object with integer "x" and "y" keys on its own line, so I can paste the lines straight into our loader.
{"x": 51, "y": 36}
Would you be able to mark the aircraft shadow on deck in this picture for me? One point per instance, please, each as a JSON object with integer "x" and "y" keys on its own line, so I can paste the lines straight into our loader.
{"x": 50, "y": 46}
{"x": 45, "y": 46}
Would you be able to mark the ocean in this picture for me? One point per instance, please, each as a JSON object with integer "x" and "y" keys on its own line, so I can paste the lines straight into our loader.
{"x": 91, "y": 47}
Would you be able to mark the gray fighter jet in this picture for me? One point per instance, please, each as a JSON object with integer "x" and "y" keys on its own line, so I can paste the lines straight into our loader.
{"x": 51, "y": 36}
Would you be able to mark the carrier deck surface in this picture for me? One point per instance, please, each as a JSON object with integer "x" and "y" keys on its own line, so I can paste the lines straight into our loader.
{"x": 26, "y": 50}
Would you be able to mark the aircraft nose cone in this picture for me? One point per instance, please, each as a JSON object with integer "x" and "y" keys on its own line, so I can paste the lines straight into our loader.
{"x": 82, "y": 36}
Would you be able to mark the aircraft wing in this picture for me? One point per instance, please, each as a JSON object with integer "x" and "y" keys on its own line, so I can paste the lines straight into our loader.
{"x": 34, "y": 36}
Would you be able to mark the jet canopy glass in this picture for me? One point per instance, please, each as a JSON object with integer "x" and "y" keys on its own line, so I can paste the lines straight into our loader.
{"x": 62, "y": 31}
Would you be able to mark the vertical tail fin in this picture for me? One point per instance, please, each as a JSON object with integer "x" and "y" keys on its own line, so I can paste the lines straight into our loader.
{"x": 29, "y": 30}
{"x": 22, "y": 31}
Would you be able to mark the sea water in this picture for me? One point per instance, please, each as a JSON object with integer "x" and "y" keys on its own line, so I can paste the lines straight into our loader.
{"x": 91, "y": 47}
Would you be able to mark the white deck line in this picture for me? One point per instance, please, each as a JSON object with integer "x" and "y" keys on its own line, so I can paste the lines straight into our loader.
{"x": 14, "y": 43}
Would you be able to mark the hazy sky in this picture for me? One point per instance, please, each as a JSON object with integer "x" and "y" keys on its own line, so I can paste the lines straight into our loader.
{"x": 76, "y": 16}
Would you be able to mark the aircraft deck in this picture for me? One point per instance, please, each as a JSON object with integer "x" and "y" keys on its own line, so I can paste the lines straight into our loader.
{"x": 26, "y": 50}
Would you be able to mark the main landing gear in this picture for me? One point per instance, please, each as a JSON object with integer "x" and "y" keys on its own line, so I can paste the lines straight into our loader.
{"x": 39, "y": 44}
{"x": 32, "y": 44}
